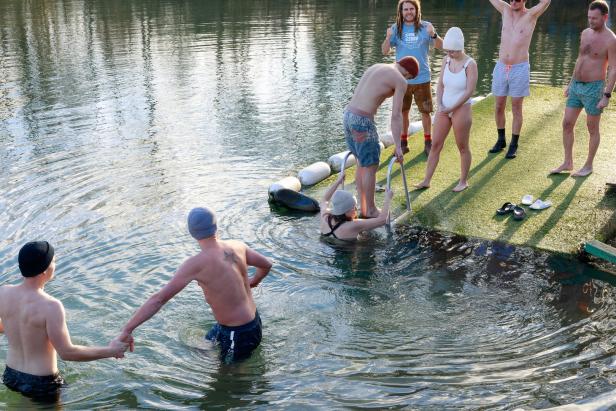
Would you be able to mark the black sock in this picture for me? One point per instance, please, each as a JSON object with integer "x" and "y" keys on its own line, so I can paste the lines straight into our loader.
{"x": 501, "y": 134}
{"x": 514, "y": 139}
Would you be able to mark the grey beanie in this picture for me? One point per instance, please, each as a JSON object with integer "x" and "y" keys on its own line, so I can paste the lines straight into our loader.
{"x": 342, "y": 202}
{"x": 201, "y": 223}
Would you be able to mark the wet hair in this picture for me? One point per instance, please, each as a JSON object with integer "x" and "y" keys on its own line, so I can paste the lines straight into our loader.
{"x": 400, "y": 18}
{"x": 599, "y": 5}
{"x": 337, "y": 219}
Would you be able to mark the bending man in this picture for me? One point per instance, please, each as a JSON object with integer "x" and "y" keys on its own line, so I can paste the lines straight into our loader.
{"x": 379, "y": 82}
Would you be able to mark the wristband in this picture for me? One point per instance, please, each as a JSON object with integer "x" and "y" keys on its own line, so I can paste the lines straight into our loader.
{"x": 608, "y": 95}
{"x": 435, "y": 35}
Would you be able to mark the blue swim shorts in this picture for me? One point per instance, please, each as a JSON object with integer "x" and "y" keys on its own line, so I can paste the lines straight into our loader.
{"x": 361, "y": 137}
{"x": 586, "y": 95}
{"x": 236, "y": 343}
{"x": 511, "y": 80}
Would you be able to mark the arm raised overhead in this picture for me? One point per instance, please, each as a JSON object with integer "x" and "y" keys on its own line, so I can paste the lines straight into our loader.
{"x": 539, "y": 8}
{"x": 500, "y": 5}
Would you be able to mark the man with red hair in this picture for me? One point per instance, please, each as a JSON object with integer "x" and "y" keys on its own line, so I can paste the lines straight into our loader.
{"x": 378, "y": 83}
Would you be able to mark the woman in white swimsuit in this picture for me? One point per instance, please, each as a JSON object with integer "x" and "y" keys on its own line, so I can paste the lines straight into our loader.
{"x": 456, "y": 85}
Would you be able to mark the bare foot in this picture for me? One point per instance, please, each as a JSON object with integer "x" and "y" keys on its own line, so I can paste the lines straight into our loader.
{"x": 561, "y": 168}
{"x": 460, "y": 187}
{"x": 374, "y": 213}
{"x": 582, "y": 172}
{"x": 422, "y": 185}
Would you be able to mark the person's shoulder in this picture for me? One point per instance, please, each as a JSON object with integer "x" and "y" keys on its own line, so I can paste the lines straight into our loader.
{"x": 52, "y": 305}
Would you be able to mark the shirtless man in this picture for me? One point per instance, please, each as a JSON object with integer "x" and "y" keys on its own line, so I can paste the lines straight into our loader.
{"x": 587, "y": 88}
{"x": 379, "y": 82}
{"x": 35, "y": 327}
{"x": 220, "y": 269}
{"x": 511, "y": 75}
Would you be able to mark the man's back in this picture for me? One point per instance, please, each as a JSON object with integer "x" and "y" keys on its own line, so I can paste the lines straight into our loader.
{"x": 221, "y": 271}
{"x": 24, "y": 315}
{"x": 378, "y": 83}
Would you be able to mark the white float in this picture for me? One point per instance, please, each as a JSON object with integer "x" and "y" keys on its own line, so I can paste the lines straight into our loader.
{"x": 314, "y": 173}
{"x": 291, "y": 183}
{"x": 336, "y": 160}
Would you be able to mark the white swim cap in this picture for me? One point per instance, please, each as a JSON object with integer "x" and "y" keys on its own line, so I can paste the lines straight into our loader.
{"x": 454, "y": 39}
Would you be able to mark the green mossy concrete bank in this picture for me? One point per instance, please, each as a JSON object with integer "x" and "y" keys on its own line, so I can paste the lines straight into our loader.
{"x": 582, "y": 208}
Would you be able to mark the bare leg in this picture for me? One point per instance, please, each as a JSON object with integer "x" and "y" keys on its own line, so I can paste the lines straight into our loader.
{"x": 500, "y": 102}
{"x": 426, "y": 122}
{"x": 442, "y": 125}
{"x": 369, "y": 209}
{"x": 592, "y": 122}
{"x": 462, "y": 121}
{"x": 518, "y": 117}
{"x": 405, "y": 131}
{"x": 359, "y": 177}
{"x": 571, "y": 116}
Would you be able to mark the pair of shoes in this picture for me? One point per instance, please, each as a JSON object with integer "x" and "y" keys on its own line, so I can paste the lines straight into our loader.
{"x": 404, "y": 144}
{"x": 507, "y": 208}
{"x": 499, "y": 146}
{"x": 427, "y": 147}
{"x": 533, "y": 204}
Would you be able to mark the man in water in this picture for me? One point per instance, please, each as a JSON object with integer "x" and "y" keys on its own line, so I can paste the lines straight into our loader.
{"x": 511, "y": 75}
{"x": 379, "y": 82}
{"x": 220, "y": 269}
{"x": 34, "y": 324}
{"x": 587, "y": 88}
{"x": 411, "y": 36}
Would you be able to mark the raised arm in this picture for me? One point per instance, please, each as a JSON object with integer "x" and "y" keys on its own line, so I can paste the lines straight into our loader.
{"x": 330, "y": 192}
{"x": 499, "y": 5}
{"x": 438, "y": 41}
{"x": 540, "y": 8}
{"x": 61, "y": 339}
{"x": 396, "y": 117}
{"x": 386, "y": 46}
{"x": 182, "y": 277}
{"x": 262, "y": 264}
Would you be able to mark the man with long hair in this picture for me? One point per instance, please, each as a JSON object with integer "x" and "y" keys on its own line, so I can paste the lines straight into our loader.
{"x": 587, "y": 89}
{"x": 414, "y": 37}
{"x": 511, "y": 75}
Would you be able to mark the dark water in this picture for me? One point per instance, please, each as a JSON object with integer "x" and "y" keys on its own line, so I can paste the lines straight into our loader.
{"x": 117, "y": 117}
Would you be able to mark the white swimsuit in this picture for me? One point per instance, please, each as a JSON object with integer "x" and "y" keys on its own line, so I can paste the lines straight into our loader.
{"x": 454, "y": 84}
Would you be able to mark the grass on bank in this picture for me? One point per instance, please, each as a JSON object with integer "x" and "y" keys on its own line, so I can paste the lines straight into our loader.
{"x": 582, "y": 208}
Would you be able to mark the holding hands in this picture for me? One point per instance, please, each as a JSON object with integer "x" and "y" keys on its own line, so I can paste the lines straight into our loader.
{"x": 127, "y": 339}
{"x": 118, "y": 347}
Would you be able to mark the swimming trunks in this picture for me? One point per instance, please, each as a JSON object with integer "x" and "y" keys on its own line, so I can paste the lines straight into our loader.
{"x": 45, "y": 388}
{"x": 236, "y": 343}
{"x": 511, "y": 80}
{"x": 586, "y": 95}
{"x": 361, "y": 137}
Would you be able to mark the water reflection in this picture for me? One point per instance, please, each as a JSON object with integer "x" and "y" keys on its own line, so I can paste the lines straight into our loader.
{"x": 117, "y": 117}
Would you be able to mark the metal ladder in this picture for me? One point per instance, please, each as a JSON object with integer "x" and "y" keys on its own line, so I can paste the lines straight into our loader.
{"x": 389, "y": 169}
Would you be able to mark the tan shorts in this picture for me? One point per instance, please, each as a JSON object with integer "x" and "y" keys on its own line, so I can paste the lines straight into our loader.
{"x": 423, "y": 97}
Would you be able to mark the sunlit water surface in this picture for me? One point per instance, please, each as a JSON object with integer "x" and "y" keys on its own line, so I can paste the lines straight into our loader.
{"x": 117, "y": 117}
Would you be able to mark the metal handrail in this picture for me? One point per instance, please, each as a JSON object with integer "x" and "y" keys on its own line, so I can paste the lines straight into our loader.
{"x": 344, "y": 166}
{"x": 406, "y": 190}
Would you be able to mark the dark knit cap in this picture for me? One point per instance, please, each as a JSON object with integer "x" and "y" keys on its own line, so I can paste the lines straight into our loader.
{"x": 35, "y": 257}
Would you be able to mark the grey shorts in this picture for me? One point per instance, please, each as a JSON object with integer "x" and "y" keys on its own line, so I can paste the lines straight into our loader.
{"x": 361, "y": 137}
{"x": 511, "y": 80}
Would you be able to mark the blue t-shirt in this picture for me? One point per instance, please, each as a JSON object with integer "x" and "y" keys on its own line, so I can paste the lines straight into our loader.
{"x": 416, "y": 45}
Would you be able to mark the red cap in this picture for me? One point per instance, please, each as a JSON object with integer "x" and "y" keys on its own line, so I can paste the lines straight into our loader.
{"x": 410, "y": 64}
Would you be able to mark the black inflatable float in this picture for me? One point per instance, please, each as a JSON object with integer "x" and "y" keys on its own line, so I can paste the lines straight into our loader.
{"x": 294, "y": 200}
